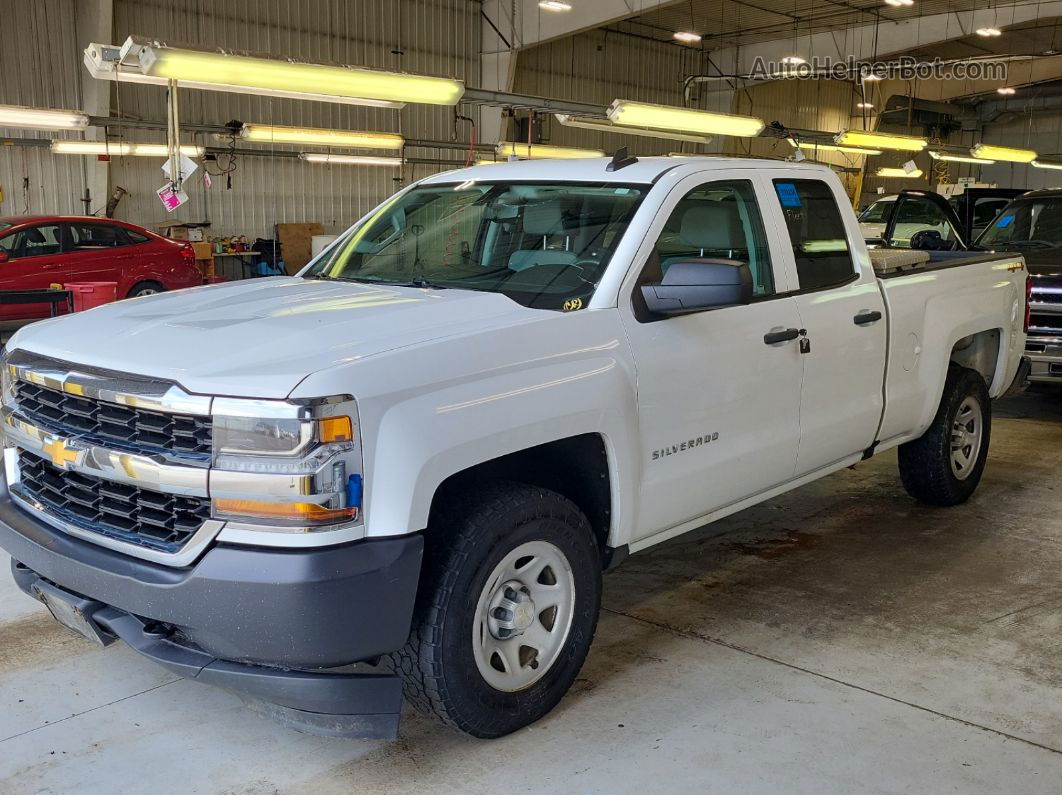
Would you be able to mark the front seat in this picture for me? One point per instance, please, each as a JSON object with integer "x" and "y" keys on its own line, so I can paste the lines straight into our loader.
{"x": 544, "y": 220}
{"x": 710, "y": 226}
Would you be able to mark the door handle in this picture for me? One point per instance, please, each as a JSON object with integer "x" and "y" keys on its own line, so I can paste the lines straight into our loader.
{"x": 773, "y": 337}
{"x": 865, "y": 318}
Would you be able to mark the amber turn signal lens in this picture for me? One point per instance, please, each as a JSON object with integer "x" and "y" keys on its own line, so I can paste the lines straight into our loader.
{"x": 307, "y": 511}
{"x": 336, "y": 429}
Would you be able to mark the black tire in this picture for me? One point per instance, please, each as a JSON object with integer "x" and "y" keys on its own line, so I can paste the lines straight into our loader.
{"x": 145, "y": 288}
{"x": 926, "y": 463}
{"x": 468, "y": 538}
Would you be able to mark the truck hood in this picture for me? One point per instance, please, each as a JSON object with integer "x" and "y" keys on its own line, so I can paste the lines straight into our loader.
{"x": 261, "y": 337}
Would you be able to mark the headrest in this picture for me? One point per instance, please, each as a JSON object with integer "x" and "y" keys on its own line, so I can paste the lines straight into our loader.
{"x": 544, "y": 218}
{"x": 712, "y": 225}
{"x": 34, "y": 235}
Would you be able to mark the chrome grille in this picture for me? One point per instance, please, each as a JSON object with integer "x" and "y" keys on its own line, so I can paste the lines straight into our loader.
{"x": 146, "y": 518}
{"x": 114, "y": 425}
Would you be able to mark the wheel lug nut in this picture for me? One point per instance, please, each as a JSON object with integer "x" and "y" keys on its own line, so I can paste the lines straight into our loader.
{"x": 502, "y": 614}
{"x": 511, "y": 594}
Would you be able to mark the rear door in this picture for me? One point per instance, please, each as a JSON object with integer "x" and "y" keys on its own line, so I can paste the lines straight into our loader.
{"x": 843, "y": 313}
{"x": 35, "y": 262}
{"x": 98, "y": 252}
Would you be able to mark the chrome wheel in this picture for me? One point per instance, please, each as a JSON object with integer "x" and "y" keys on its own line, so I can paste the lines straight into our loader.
{"x": 966, "y": 433}
{"x": 523, "y": 616}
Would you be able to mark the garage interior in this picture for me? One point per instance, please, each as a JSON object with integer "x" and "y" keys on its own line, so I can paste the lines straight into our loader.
{"x": 838, "y": 638}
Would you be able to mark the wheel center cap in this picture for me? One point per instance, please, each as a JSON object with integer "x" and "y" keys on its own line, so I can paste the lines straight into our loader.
{"x": 524, "y": 615}
{"x": 511, "y": 611}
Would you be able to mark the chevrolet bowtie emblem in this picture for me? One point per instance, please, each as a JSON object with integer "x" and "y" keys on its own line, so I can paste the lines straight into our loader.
{"x": 61, "y": 455}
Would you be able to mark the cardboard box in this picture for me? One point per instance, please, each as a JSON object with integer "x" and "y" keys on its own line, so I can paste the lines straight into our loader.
{"x": 176, "y": 231}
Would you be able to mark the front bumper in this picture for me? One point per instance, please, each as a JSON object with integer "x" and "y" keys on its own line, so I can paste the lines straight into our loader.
{"x": 244, "y": 618}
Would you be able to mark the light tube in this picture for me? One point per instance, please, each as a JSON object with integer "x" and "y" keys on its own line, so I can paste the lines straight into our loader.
{"x": 42, "y": 118}
{"x": 119, "y": 148}
{"x": 879, "y": 140}
{"x": 101, "y": 60}
{"x": 1041, "y": 164}
{"x": 543, "y": 152}
{"x": 668, "y": 117}
{"x": 266, "y": 133}
{"x": 604, "y": 125}
{"x": 898, "y": 173}
{"x": 228, "y": 67}
{"x": 957, "y": 158}
{"x": 350, "y": 160}
{"x": 990, "y": 152}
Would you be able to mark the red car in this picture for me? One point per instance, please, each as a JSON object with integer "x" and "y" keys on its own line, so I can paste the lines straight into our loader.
{"x": 37, "y": 251}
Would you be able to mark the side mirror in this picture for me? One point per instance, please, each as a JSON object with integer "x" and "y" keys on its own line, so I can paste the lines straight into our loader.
{"x": 697, "y": 285}
{"x": 4, "y": 256}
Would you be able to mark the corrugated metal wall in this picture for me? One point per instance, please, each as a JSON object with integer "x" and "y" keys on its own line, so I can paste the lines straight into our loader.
{"x": 427, "y": 36}
{"x": 600, "y": 66}
{"x": 39, "y": 66}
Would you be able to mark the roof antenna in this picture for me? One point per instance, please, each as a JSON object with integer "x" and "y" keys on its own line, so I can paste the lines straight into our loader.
{"x": 621, "y": 160}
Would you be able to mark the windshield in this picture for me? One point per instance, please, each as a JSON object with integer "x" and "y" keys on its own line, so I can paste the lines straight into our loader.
{"x": 1026, "y": 223}
{"x": 877, "y": 212}
{"x": 543, "y": 245}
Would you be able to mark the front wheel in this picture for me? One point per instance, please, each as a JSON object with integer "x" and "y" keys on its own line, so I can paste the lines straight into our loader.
{"x": 944, "y": 466}
{"x": 506, "y": 611}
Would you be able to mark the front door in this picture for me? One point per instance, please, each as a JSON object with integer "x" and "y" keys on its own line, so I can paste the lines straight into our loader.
{"x": 34, "y": 262}
{"x": 718, "y": 405}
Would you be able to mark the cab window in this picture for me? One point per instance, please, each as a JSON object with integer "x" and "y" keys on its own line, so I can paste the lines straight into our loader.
{"x": 719, "y": 220}
{"x": 816, "y": 232}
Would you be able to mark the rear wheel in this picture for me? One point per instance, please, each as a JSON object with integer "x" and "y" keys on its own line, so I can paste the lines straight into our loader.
{"x": 506, "y": 611}
{"x": 146, "y": 288}
{"x": 944, "y": 466}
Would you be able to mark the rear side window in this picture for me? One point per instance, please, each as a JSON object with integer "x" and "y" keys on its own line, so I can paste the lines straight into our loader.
{"x": 94, "y": 236}
{"x": 136, "y": 237}
{"x": 816, "y": 232}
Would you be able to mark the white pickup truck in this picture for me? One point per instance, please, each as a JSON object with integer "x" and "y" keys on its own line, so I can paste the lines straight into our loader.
{"x": 419, "y": 454}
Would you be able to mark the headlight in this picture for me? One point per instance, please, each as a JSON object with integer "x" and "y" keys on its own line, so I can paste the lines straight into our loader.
{"x": 289, "y": 465}
{"x": 7, "y": 382}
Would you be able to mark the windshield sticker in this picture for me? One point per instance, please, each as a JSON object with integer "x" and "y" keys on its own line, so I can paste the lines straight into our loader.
{"x": 1004, "y": 221}
{"x": 787, "y": 194}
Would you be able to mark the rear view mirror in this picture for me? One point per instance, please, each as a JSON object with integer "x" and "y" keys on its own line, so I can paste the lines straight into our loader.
{"x": 696, "y": 285}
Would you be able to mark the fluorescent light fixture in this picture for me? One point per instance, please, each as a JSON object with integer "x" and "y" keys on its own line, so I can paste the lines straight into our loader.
{"x": 120, "y": 148}
{"x": 880, "y": 140}
{"x": 102, "y": 62}
{"x": 899, "y": 3}
{"x": 542, "y": 151}
{"x": 989, "y": 32}
{"x": 852, "y": 150}
{"x": 604, "y": 125}
{"x": 989, "y": 152}
{"x": 41, "y": 118}
{"x": 1041, "y": 164}
{"x": 667, "y": 117}
{"x": 686, "y": 36}
{"x": 256, "y": 71}
{"x": 1006, "y": 91}
{"x": 865, "y": 105}
{"x": 794, "y": 60}
{"x": 554, "y": 5}
{"x": 870, "y": 76}
{"x": 957, "y": 158}
{"x": 350, "y": 160}
{"x": 268, "y": 133}
{"x": 898, "y": 173}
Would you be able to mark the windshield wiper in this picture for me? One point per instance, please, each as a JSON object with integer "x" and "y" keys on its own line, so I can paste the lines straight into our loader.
{"x": 420, "y": 281}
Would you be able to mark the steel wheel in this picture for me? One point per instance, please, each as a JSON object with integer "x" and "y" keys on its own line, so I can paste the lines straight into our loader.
{"x": 966, "y": 433}
{"x": 523, "y": 616}
{"x": 145, "y": 291}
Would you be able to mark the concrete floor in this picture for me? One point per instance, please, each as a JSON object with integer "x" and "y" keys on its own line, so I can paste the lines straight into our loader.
{"x": 838, "y": 639}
